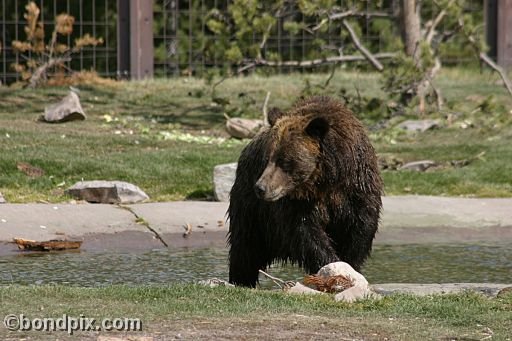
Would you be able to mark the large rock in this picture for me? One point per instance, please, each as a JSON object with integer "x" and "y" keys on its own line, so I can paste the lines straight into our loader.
{"x": 223, "y": 180}
{"x": 243, "y": 128}
{"x": 107, "y": 192}
{"x": 68, "y": 109}
{"x": 359, "y": 290}
{"x": 487, "y": 289}
{"x": 2, "y": 200}
{"x": 419, "y": 125}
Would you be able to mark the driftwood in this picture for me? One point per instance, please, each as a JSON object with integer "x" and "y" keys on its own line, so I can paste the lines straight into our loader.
{"x": 50, "y": 245}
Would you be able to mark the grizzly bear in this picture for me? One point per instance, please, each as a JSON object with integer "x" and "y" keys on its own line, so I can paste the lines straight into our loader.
{"x": 307, "y": 191}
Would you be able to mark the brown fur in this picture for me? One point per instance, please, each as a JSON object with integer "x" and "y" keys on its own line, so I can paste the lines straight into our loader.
{"x": 307, "y": 190}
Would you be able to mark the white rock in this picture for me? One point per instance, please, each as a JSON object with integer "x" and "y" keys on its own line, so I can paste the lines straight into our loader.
{"x": 299, "y": 288}
{"x": 243, "y": 128}
{"x": 360, "y": 289}
{"x": 2, "y": 199}
{"x": 352, "y": 294}
{"x": 68, "y": 109}
{"x": 343, "y": 269}
{"x": 223, "y": 180}
{"x": 107, "y": 192}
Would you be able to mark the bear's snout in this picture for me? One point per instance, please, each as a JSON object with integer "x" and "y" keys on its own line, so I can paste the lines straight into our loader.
{"x": 272, "y": 185}
{"x": 259, "y": 189}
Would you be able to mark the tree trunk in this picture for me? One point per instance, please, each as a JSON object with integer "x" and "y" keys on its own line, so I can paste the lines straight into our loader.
{"x": 411, "y": 27}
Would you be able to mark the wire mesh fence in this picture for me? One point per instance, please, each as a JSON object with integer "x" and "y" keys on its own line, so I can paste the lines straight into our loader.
{"x": 95, "y": 17}
{"x": 184, "y": 44}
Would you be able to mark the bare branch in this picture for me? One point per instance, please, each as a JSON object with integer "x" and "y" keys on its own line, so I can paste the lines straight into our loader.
{"x": 249, "y": 64}
{"x": 348, "y": 14}
{"x": 361, "y": 48}
{"x": 41, "y": 71}
{"x": 485, "y": 58}
{"x": 265, "y": 109}
{"x": 337, "y": 16}
{"x": 280, "y": 283}
{"x": 432, "y": 30}
{"x": 331, "y": 75}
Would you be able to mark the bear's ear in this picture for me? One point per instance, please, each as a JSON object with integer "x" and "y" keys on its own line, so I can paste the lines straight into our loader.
{"x": 273, "y": 115}
{"x": 317, "y": 128}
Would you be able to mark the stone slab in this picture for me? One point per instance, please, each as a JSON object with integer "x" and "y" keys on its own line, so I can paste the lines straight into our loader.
{"x": 57, "y": 221}
{"x": 406, "y": 219}
{"x": 207, "y": 221}
{"x": 488, "y": 289}
{"x": 428, "y": 211}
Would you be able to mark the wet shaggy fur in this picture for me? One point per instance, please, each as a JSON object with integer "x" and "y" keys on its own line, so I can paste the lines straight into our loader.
{"x": 307, "y": 191}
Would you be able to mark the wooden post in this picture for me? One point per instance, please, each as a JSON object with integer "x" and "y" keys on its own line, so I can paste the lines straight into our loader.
{"x": 141, "y": 39}
{"x": 123, "y": 39}
{"x": 504, "y": 36}
{"x": 135, "y": 38}
{"x": 491, "y": 27}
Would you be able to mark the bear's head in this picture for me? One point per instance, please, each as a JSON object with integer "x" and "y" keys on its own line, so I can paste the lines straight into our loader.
{"x": 293, "y": 156}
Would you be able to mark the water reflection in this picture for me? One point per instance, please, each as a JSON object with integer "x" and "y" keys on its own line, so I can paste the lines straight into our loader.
{"x": 403, "y": 263}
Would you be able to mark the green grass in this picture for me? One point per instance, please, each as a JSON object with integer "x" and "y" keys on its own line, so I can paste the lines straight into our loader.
{"x": 135, "y": 132}
{"x": 213, "y": 312}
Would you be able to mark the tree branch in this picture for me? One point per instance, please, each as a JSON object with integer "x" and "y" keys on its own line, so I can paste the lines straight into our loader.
{"x": 252, "y": 63}
{"x": 41, "y": 71}
{"x": 361, "y": 48}
{"x": 485, "y": 58}
{"x": 432, "y": 30}
{"x": 348, "y": 14}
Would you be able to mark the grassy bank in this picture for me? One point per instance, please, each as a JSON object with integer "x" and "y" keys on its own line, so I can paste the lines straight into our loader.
{"x": 224, "y": 313}
{"x": 166, "y": 135}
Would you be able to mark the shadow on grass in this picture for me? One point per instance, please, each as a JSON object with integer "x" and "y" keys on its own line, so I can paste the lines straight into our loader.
{"x": 201, "y": 195}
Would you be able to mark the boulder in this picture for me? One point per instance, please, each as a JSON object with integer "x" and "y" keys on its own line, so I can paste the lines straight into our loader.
{"x": 359, "y": 290}
{"x": 2, "y": 199}
{"x": 343, "y": 269}
{"x": 223, "y": 180}
{"x": 107, "y": 192}
{"x": 419, "y": 125}
{"x": 243, "y": 128}
{"x": 68, "y": 109}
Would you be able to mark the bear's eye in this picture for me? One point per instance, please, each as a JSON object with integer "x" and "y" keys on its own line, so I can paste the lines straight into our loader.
{"x": 286, "y": 164}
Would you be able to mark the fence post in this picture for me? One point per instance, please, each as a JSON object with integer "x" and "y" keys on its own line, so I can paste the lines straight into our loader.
{"x": 491, "y": 26}
{"x": 135, "y": 38}
{"x": 123, "y": 39}
{"x": 504, "y": 37}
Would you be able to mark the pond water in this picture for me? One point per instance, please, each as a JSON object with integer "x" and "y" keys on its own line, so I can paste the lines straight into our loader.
{"x": 402, "y": 263}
